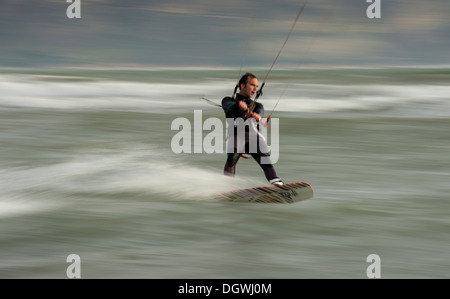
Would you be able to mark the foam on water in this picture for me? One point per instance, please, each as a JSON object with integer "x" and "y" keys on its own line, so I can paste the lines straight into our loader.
{"x": 13, "y": 207}
{"x": 398, "y": 100}
{"x": 100, "y": 94}
{"x": 32, "y": 92}
{"x": 128, "y": 172}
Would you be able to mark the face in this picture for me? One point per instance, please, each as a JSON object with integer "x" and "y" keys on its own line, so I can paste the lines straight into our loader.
{"x": 250, "y": 88}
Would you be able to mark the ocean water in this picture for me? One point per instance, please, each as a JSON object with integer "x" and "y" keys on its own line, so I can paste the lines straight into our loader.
{"x": 87, "y": 168}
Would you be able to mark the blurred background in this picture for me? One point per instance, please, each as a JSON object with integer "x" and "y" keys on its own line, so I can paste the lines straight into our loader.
{"x": 216, "y": 33}
{"x": 86, "y": 166}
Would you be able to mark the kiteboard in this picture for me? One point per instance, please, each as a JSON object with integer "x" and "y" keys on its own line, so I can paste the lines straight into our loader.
{"x": 287, "y": 193}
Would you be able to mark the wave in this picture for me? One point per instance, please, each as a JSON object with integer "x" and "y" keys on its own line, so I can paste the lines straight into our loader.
{"x": 31, "y": 92}
{"x": 20, "y": 91}
{"x": 128, "y": 173}
{"x": 389, "y": 100}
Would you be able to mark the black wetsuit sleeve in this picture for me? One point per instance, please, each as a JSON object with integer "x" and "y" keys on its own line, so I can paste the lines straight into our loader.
{"x": 231, "y": 108}
{"x": 229, "y": 104}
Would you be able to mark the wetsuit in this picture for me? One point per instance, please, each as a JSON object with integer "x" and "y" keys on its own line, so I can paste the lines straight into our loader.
{"x": 242, "y": 143}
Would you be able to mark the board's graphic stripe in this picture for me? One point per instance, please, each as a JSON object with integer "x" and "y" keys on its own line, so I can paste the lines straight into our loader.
{"x": 288, "y": 193}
